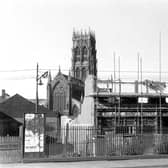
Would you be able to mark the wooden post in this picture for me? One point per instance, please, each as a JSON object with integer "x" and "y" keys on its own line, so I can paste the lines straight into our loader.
{"x": 21, "y": 134}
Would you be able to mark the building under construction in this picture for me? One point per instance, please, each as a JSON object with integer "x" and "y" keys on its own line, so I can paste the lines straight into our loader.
{"x": 131, "y": 112}
{"x": 81, "y": 98}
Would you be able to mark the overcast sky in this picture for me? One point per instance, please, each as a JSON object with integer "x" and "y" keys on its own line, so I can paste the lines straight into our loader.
{"x": 41, "y": 31}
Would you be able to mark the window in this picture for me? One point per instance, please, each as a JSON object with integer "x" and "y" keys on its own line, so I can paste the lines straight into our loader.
{"x": 77, "y": 73}
{"x": 59, "y": 99}
{"x": 83, "y": 73}
{"x": 84, "y": 51}
{"x": 84, "y": 54}
{"x": 77, "y": 58}
{"x": 77, "y": 51}
{"x": 75, "y": 111}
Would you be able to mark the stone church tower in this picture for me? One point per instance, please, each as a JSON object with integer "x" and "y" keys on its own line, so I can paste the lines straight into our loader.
{"x": 84, "y": 60}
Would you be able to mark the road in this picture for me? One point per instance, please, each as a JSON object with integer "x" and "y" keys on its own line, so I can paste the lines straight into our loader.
{"x": 139, "y": 163}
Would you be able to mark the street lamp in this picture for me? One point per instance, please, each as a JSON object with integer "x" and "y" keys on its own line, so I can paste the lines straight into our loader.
{"x": 39, "y": 82}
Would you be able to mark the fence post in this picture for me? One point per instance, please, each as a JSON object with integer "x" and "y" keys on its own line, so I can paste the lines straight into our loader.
{"x": 66, "y": 129}
{"x": 94, "y": 146}
{"x": 21, "y": 141}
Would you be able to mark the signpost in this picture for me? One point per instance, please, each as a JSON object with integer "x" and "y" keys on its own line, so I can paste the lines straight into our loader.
{"x": 34, "y": 133}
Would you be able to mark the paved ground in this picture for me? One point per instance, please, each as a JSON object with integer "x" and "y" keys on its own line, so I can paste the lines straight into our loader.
{"x": 139, "y": 163}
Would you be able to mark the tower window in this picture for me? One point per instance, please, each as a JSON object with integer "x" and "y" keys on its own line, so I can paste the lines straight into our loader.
{"x": 77, "y": 73}
{"x": 84, "y": 51}
{"x": 83, "y": 74}
{"x": 77, "y": 58}
{"x": 85, "y": 58}
{"x": 77, "y": 51}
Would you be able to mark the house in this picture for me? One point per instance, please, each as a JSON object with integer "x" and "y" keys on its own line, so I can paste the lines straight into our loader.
{"x": 8, "y": 125}
{"x": 16, "y": 106}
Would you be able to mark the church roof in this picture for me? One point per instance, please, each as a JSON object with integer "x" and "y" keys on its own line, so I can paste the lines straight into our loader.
{"x": 17, "y": 105}
{"x": 72, "y": 79}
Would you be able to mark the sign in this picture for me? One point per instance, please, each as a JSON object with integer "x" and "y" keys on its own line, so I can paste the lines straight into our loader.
{"x": 166, "y": 99}
{"x": 142, "y": 100}
{"x": 34, "y": 132}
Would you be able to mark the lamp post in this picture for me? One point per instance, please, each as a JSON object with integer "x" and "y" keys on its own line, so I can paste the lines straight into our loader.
{"x": 36, "y": 110}
{"x": 39, "y": 82}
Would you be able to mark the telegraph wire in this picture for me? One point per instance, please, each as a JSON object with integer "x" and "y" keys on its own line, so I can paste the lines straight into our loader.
{"x": 67, "y": 70}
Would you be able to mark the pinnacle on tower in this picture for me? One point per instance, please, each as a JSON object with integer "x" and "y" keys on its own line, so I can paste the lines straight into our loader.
{"x": 49, "y": 77}
{"x": 69, "y": 75}
{"x": 59, "y": 71}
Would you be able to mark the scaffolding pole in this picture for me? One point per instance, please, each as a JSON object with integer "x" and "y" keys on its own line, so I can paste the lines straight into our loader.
{"x": 141, "y": 95}
{"x": 114, "y": 72}
{"x": 160, "y": 79}
{"x": 156, "y": 111}
{"x": 119, "y": 92}
{"x": 138, "y": 56}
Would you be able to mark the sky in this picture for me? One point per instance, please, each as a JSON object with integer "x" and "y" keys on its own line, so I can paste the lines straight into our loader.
{"x": 40, "y": 31}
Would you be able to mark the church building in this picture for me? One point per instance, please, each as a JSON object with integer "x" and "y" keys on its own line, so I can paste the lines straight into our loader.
{"x": 67, "y": 95}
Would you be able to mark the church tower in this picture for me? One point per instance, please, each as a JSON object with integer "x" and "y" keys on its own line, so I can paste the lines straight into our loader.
{"x": 84, "y": 60}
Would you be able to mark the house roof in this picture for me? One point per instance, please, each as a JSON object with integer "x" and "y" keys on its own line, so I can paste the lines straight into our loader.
{"x": 5, "y": 118}
{"x": 17, "y": 105}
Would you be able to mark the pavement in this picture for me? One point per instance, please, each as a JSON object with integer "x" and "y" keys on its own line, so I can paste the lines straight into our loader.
{"x": 137, "y": 163}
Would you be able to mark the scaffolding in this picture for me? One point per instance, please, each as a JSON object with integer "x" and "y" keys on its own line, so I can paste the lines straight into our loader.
{"x": 140, "y": 108}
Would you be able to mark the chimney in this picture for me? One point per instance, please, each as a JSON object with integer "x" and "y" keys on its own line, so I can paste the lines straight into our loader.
{"x": 136, "y": 86}
{"x": 3, "y": 93}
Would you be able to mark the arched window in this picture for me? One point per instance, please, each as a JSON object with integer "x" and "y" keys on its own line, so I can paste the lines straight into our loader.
{"x": 59, "y": 101}
{"x": 83, "y": 74}
{"x": 77, "y": 51}
{"x": 85, "y": 58}
{"x": 77, "y": 73}
{"x": 84, "y": 51}
{"x": 75, "y": 110}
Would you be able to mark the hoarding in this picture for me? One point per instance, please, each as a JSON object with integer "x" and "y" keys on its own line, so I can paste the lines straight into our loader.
{"x": 34, "y": 132}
